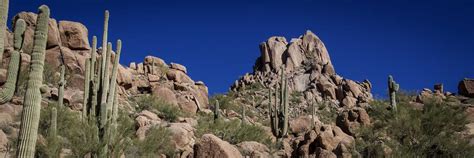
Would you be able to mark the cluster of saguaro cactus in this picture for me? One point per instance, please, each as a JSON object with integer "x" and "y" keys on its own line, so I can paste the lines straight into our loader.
{"x": 393, "y": 88}
{"x": 279, "y": 110}
{"x": 100, "y": 95}
{"x": 14, "y": 66}
{"x": 32, "y": 101}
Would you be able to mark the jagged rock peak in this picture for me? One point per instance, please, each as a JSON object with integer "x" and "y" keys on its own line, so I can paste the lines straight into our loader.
{"x": 309, "y": 70}
{"x": 307, "y": 52}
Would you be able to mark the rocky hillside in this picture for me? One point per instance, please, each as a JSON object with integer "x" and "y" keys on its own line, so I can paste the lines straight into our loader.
{"x": 163, "y": 112}
{"x": 68, "y": 43}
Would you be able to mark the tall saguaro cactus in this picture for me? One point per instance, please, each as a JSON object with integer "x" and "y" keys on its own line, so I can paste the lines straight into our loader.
{"x": 279, "y": 111}
{"x": 14, "y": 66}
{"x": 62, "y": 83}
{"x": 216, "y": 111}
{"x": 393, "y": 88}
{"x": 3, "y": 25}
{"x": 32, "y": 101}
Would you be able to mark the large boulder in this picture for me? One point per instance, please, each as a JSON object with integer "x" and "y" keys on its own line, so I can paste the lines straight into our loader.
{"x": 466, "y": 87}
{"x": 74, "y": 35}
{"x": 165, "y": 94}
{"x": 182, "y": 136}
{"x": 30, "y": 19}
{"x": 211, "y": 146}
{"x": 254, "y": 149}
{"x": 349, "y": 120}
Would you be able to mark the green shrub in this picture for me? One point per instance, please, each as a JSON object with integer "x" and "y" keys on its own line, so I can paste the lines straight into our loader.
{"x": 167, "y": 111}
{"x": 226, "y": 102}
{"x": 232, "y": 131}
{"x": 434, "y": 131}
{"x": 157, "y": 142}
{"x": 81, "y": 137}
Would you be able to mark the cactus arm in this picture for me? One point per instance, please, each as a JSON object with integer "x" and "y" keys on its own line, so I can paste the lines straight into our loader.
{"x": 14, "y": 66}
{"x": 285, "y": 109}
{"x": 113, "y": 80}
{"x": 87, "y": 80}
{"x": 32, "y": 101}
{"x": 93, "y": 56}
{"x": 20, "y": 27}
{"x": 104, "y": 41}
{"x": 95, "y": 89}
{"x": 105, "y": 87}
{"x": 3, "y": 25}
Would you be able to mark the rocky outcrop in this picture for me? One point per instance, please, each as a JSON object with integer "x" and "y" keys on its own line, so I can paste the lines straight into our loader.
{"x": 68, "y": 42}
{"x": 326, "y": 141}
{"x": 349, "y": 120}
{"x": 310, "y": 73}
{"x": 466, "y": 87}
{"x": 213, "y": 147}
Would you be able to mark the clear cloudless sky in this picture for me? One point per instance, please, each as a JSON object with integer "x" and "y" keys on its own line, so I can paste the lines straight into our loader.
{"x": 419, "y": 42}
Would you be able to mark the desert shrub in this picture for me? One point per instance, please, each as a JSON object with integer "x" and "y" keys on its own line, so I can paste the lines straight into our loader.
{"x": 157, "y": 142}
{"x": 121, "y": 137}
{"x": 232, "y": 131}
{"x": 325, "y": 112}
{"x": 167, "y": 111}
{"x": 434, "y": 131}
{"x": 226, "y": 102}
{"x": 80, "y": 136}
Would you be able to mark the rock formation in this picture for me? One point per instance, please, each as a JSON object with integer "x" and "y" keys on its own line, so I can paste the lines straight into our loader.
{"x": 309, "y": 70}
{"x": 68, "y": 42}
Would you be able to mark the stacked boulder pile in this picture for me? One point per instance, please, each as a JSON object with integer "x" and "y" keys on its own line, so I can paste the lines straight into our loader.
{"x": 309, "y": 70}
{"x": 68, "y": 43}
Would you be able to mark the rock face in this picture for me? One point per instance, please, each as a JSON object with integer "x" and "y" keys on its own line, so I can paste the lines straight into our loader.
{"x": 213, "y": 147}
{"x": 466, "y": 87}
{"x": 310, "y": 73}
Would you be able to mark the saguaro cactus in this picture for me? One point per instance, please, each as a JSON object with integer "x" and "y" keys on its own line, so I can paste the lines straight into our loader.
{"x": 3, "y": 25}
{"x": 62, "y": 82}
{"x": 32, "y": 101}
{"x": 14, "y": 66}
{"x": 101, "y": 92}
{"x": 216, "y": 111}
{"x": 393, "y": 88}
{"x": 279, "y": 111}
{"x": 54, "y": 123}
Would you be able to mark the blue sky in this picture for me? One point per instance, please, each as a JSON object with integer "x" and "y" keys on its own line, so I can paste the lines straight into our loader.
{"x": 419, "y": 42}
